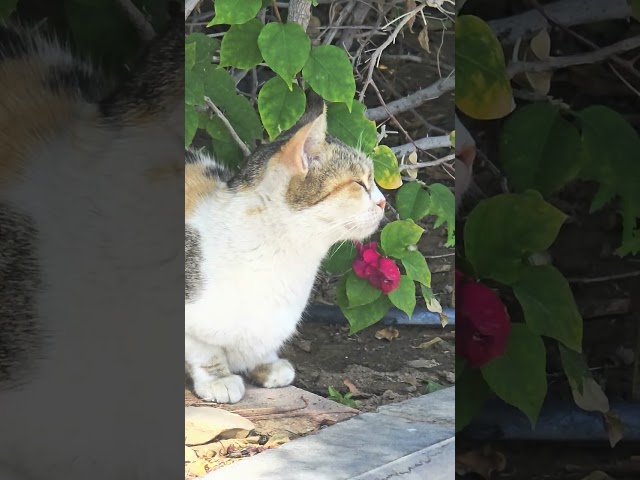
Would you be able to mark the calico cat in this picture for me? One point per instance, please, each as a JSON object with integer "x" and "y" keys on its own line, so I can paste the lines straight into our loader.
{"x": 253, "y": 246}
{"x": 91, "y": 176}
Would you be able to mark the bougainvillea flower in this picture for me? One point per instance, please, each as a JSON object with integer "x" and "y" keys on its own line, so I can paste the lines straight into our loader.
{"x": 483, "y": 322}
{"x": 382, "y": 272}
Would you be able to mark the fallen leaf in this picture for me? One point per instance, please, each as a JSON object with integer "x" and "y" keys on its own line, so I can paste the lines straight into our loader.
{"x": 204, "y": 424}
{"x": 352, "y": 387}
{"x": 429, "y": 343}
{"x": 592, "y": 398}
{"x": 277, "y": 439}
{"x": 199, "y": 468}
{"x": 614, "y": 427}
{"x": 444, "y": 320}
{"x": 481, "y": 462}
{"x": 423, "y": 39}
{"x": 388, "y": 333}
{"x": 304, "y": 345}
{"x": 422, "y": 363}
{"x": 189, "y": 455}
{"x": 411, "y": 4}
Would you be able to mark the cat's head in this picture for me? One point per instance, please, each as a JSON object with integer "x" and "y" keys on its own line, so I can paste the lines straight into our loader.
{"x": 323, "y": 185}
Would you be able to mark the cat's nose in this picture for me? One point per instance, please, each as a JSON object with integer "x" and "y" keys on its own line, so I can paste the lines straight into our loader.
{"x": 381, "y": 203}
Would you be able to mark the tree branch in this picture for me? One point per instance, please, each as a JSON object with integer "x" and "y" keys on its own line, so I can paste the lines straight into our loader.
{"x": 566, "y": 12}
{"x": 426, "y": 143}
{"x": 433, "y": 163}
{"x": 300, "y": 12}
{"x": 236, "y": 138}
{"x": 414, "y": 100}
{"x": 145, "y": 30}
{"x": 190, "y": 6}
{"x": 554, "y": 63}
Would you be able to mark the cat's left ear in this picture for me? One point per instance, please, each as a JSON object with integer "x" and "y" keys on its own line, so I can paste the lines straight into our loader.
{"x": 306, "y": 145}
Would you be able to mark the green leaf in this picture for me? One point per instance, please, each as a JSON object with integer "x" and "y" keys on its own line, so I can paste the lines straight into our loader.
{"x": 280, "y": 108}
{"x": 443, "y": 206}
{"x": 575, "y": 367}
{"x": 483, "y": 90}
{"x": 397, "y": 236}
{"x": 385, "y": 168}
{"x": 205, "y": 47}
{"x": 433, "y": 387}
{"x": 225, "y": 148}
{"x": 472, "y": 393}
{"x": 404, "y": 297}
{"x": 352, "y": 127}
{"x": 189, "y": 56}
{"x": 416, "y": 267}
{"x": 366, "y": 315}
{"x": 412, "y": 201}
{"x": 240, "y": 45}
{"x": 190, "y": 124}
{"x": 333, "y": 393}
{"x": 539, "y": 149}
{"x": 194, "y": 88}
{"x": 340, "y": 258}
{"x": 360, "y": 291}
{"x": 518, "y": 377}
{"x": 503, "y": 230}
{"x": 233, "y": 12}
{"x": 329, "y": 72}
{"x": 285, "y": 48}
{"x": 548, "y": 305}
{"x": 611, "y": 145}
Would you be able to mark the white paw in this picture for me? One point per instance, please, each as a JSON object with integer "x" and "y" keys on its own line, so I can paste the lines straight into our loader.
{"x": 223, "y": 390}
{"x": 281, "y": 374}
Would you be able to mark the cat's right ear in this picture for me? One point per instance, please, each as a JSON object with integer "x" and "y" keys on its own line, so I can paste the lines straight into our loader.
{"x": 306, "y": 145}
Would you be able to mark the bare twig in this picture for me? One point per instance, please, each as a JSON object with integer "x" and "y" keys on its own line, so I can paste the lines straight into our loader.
{"x": 276, "y": 11}
{"x": 299, "y": 12}
{"x": 375, "y": 58}
{"x": 236, "y": 138}
{"x": 346, "y": 11}
{"x": 605, "y": 278}
{"x": 190, "y": 6}
{"x": 566, "y": 12}
{"x": 595, "y": 56}
{"x": 414, "y": 100}
{"x": 138, "y": 20}
{"x": 426, "y": 143}
{"x": 413, "y": 166}
{"x": 389, "y": 114}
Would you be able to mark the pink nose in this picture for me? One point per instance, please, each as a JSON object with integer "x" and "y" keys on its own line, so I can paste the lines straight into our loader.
{"x": 381, "y": 203}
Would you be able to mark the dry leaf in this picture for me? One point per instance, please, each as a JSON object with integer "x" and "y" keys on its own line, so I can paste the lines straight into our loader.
{"x": 382, "y": 67}
{"x": 422, "y": 363}
{"x": 481, "y": 462}
{"x": 352, "y": 387}
{"x": 412, "y": 159}
{"x": 189, "y": 455}
{"x": 427, "y": 344}
{"x": 539, "y": 49}
{"x": 423, "y": 39}
{"x": 592, "y": 398}
{"x": 304, "y": 345}
{"x": 433, "y": 305}
{"x": 388, "y": 333}
{"x": 444, "y": 320}
{"x": 541, "y": 45}
{"x": 614, "y": 427}
{"x": 411, "y": 4}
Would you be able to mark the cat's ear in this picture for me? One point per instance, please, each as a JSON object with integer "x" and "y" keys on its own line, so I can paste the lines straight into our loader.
{"x": 306, "y": 145}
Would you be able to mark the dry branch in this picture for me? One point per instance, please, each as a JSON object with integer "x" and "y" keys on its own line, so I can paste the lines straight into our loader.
{"x": 566, "y": 12}
{"x": 190, "y": 6}
{"x": 236, "y": 138}
{"x": 426, "y": 143}
{"x": 553, "y": 63}
{"x": 300, "y": 12}
{"x": 414, "y": 100}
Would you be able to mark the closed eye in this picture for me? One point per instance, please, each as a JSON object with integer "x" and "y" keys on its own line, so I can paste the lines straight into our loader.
{"x": 362, "y": 184}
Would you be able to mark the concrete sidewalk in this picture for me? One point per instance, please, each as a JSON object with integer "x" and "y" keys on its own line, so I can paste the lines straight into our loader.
{"x": 411, "y": 440}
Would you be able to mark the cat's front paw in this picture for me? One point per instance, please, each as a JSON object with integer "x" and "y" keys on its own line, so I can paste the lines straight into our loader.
{"x": 223, "y": 390}
{"x": 273, "y": 375}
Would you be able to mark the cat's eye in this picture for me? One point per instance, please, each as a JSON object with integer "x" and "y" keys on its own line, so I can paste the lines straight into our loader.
{"x": 362, "y": 184}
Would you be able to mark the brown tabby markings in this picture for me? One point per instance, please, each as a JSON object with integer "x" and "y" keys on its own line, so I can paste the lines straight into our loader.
{"x": 26, "y": 123}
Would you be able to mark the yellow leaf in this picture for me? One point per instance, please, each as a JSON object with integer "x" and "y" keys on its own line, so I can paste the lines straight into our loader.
{"x": 386, "y": 171}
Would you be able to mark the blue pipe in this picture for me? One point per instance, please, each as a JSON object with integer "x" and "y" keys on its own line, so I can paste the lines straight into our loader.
{"x": 558, "y": 422}
{"x": 330, "y": 314}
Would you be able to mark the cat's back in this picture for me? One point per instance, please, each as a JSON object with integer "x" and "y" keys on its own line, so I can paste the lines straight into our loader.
{"x": 203, "y": 176}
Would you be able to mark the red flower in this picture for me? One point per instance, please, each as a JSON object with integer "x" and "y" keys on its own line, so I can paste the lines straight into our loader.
{"x": 382, "y": 272}
{"x": 483, "y": 322}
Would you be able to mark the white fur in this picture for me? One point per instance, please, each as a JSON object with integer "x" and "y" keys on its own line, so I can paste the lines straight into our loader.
{"x": 259, "y": 270}
{"x": 109, "y": 277}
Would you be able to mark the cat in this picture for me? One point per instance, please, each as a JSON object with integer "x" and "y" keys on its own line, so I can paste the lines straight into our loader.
{"x": 253, "y": 245}
{"x": 91, "y": 178}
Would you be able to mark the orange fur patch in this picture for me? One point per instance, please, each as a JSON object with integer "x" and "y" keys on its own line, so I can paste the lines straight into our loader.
{"x": 29, "y": 112}
{"x": 197, "y": 186}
